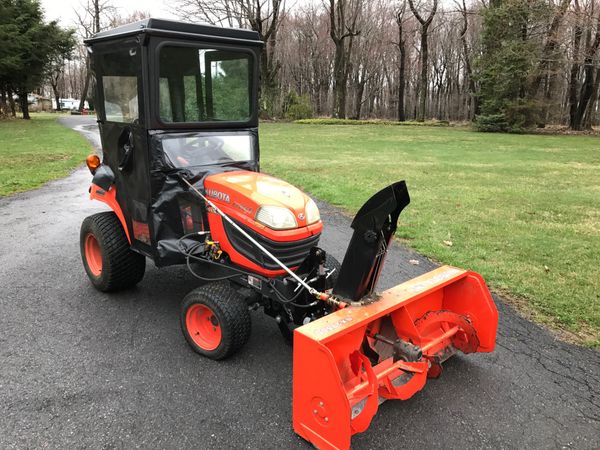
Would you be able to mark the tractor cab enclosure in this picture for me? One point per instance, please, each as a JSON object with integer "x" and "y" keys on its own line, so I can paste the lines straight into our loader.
{"x": 171, "y": 98}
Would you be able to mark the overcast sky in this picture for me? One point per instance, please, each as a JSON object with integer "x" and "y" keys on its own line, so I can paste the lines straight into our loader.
{"x": 63, "y": 10}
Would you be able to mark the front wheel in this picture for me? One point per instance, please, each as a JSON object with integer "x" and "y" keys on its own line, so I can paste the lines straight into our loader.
{"x": 215, "y": 320}
{"x": 107, "y": 257}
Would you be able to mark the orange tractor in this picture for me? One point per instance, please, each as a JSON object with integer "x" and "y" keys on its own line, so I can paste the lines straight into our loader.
{"x": 177, "y": 109}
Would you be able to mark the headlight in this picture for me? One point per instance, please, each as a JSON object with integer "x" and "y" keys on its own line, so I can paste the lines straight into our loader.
{"x": 312, "y": 212}
{"x": 276, "y": 217}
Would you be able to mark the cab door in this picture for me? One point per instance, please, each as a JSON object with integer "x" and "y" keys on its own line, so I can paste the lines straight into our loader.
{"x": 120, "y": 106}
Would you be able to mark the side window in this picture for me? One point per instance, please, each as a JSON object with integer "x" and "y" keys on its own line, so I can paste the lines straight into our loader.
{"x": 120, "y": 78}
{"x": 120, "y": 98}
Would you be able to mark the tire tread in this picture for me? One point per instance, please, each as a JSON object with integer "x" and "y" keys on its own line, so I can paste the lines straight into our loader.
{"x": 122, "y": 268}
{"x": 232, "y": 312}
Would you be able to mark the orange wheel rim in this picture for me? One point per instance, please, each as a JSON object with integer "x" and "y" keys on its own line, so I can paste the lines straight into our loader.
{"x": 93, "y": 254}
{"x": 203, "y": 326}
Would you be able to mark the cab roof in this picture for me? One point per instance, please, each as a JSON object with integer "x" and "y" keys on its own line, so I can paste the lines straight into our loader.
{"x": 175, "y": 29}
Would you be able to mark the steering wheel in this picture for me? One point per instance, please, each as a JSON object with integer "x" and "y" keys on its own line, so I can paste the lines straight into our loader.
{"x": 217, "y": 143}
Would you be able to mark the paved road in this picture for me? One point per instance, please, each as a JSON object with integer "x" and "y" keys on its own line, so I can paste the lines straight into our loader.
{"x": 80, "y": 369}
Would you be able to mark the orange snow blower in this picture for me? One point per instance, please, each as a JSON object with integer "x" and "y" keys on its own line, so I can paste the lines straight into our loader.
{"x": 382, "y": 347}
{"x": 177, "y": 107}
{"x": 385, "y": 351}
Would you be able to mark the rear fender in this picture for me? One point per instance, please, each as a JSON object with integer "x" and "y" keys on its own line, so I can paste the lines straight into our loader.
{"x": 109, "y": 196}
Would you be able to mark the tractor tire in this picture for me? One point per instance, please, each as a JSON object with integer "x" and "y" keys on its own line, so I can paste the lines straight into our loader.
{"x": 107, "y": 257}
{"x": 215, "y": 320}
{"x": 332, "y": 263}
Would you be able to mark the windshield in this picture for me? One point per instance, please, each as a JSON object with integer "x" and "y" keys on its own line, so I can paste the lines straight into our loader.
{"x": 204, "y": 85}
{"x": 205, "y": 149}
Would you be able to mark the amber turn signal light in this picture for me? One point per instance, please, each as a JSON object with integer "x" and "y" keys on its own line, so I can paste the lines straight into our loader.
{"x": 93, "y": 162}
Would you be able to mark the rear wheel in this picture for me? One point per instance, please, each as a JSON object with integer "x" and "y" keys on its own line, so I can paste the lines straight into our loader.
{"x": 215, "y": 320}
{"x": 107, "y": 257}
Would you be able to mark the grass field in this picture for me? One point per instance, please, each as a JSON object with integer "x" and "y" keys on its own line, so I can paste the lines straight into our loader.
{"x": 523, "y": 210}
{"x": 35, "y": 151}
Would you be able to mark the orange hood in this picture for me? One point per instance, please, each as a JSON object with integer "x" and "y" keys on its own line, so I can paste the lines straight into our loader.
{"x": 247, "y": 191}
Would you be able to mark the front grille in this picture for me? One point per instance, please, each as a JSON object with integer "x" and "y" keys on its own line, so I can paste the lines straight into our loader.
{"x": 290, "y": 253}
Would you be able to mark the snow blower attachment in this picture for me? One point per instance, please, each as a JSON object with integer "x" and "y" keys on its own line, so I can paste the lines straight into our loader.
{"x": 382, "y": 347}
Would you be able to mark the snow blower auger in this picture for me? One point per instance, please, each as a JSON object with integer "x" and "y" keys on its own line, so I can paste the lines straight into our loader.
{"x": 382, "y": 347}
{"x": 177, "y": 108}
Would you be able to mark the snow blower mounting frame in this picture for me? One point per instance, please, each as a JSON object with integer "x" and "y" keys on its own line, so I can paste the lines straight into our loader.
{"x": 177, "y": 109}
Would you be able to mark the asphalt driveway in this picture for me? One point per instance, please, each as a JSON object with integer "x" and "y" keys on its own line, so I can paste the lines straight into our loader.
{"x": 82, "y": 369}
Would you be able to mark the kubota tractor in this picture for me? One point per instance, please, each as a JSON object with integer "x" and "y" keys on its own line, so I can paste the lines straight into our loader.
{"x": 178, "y": 116}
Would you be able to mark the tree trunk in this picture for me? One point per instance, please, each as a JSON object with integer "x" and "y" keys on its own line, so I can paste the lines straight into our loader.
{"x": 587, "y": 89}
{"x": 56, "y": 96}
{"x": 548, "y": 96}
{"x": 574, "y": 78}
{"x": 588, "y": 86}
{"x": 549, "y": 55}
{"x": 402, "y": 68}
{"x": 11, "y": 102}
{"x": 339, "y": 31}
{"x": 3, "y": 105}
{"x": 97, "y": 16}
{"x": 472, "y": 89}
{"x": 339, "y": 86}
{"x": 402, "y": 87}
{"x": 423, "y": 83}
{"x": 588, "y": 118}
{"x": 358, "y": 102}
{"x": 422, "y": 112}
{"x": 86, "y": 86}
{"x": 24, "y": 104}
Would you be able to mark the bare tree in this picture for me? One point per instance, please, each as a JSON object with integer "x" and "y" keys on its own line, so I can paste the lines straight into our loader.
{"x": 589, "y": 70}
{"x": 262, "y": 16}
{"x": 423, "y": 84}
{"x": 343, "y": 18}
{"x": 93, "y": 17}
{"x": 63, "y": 51}
{"x": 356, "y": 58}
{"x": 466, "y": 54}
{"x": 400, "y": 18}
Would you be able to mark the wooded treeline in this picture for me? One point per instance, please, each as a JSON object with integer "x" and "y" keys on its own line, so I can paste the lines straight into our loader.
{"x": 43, "y": 58}
{"x": 507, "y": 64}
{"x": 512, "y": 63}
{"x": 32, "y": 53}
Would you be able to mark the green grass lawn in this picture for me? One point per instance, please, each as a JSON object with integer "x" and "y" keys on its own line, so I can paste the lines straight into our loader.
{"x": 35, "y": 151}
{"x": 523, "y": 210}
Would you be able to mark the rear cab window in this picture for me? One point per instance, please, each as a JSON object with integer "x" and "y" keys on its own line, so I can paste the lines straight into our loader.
{"x": 204, "y": 85}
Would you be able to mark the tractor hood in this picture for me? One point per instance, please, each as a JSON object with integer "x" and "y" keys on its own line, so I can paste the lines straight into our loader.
{"x": 248, "y": 192}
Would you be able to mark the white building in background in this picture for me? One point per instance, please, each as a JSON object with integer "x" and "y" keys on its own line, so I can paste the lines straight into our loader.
{"x": 69, "y": 104}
